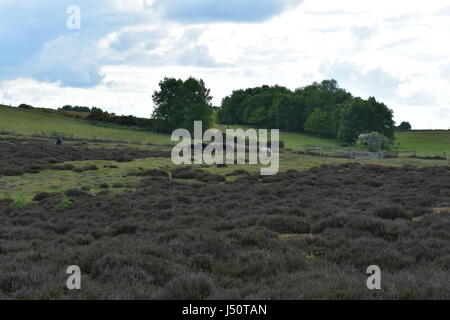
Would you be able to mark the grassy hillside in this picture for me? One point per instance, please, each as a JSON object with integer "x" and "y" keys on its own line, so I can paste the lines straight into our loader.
{"x": 296, "y": 141}
{"x": 424, "y": 142}
{"x": 48, "y": 123}
{"x": 39, "y": 123}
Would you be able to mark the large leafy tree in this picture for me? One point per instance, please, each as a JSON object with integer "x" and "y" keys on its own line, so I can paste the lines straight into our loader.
{"x": 321, "y": 123}
{"x": 363, "y": 116}
{"x": 179, "y": 103}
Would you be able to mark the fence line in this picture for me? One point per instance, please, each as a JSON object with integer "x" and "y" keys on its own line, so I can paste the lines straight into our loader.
{"x": 357, "y": 154}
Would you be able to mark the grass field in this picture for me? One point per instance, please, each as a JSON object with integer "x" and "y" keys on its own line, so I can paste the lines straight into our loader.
{"x": 47, "y": 123}
{"x": 424, "y": 142}
{"x": 38, "y": 123}
{"x": 296, "y": 141}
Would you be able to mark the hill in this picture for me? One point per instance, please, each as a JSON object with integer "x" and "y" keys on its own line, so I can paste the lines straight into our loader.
{"x": 425, "y": 142}
{"x": 48, "y": 124}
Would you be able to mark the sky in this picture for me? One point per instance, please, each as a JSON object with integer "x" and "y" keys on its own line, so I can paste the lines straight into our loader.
{"x": 397, "y": 51}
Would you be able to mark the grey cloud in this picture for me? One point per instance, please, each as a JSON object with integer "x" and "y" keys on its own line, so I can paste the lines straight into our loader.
{"x": 185, "y": 50}
{"x": 444, "y": 113}
{"x": 444, "y": 12}
{"x": 401, "y": 21}
{"x": 375, "y": 82}
{"x": 400, "y": 43}
{"x": 147, "y": 39}
{"x": 6, "y": 96}
{"x": 444, "y": 71}
{"x": 70, "y": 60}
{"x": 199, "y": 11}
{"x": 363, "y": 33}
{"x": 198, "y": 56}
{"x": 331, "y": 12}
{"x": 419, "y": 99}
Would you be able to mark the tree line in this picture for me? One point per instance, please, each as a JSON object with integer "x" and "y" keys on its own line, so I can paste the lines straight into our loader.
{"x": 323, "y": 109}
{"x": 320, "y": 108}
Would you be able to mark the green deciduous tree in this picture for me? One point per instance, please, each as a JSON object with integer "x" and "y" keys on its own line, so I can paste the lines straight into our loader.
{"x": 358, "y": 116}
{"x": 320, "y": 122}
{"x": 404, "y": 126}
{"x": 179, "y": 103}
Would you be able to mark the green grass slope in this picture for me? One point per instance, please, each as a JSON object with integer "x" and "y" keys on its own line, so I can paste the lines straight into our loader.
{"x": 46, "y": 123}
{"x": 428, "y": 143}
{"x": 39, "y": 123}
{"x": 296, "y": 141}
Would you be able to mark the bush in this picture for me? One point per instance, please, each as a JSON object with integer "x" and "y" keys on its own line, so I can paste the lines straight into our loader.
{"x": 150, "y": 173}
{"x": 392, "y": 213}
{"x": 25, "y": 106}
{"x": 285, "y": 224}
{"x": 373, "y": 141}
{"x": 43, "y": 195}
{"x": 189, "y": 287}
{"x": 404, "y": 126}
{"x": 239, "y": 172}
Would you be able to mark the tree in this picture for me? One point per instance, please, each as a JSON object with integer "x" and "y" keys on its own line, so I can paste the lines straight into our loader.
{"x": 25, "y": 106}
{"x": 404, "y": 126}
{"x": 320, "y": 122}
{"x": 321, "y": 108}
{"x": 179, "y": 103}
{"x": 358, "y": 116}
{"x": 288, "y": 112}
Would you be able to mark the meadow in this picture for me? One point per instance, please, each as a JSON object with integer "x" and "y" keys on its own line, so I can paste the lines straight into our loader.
{"x": 49, "y": 123}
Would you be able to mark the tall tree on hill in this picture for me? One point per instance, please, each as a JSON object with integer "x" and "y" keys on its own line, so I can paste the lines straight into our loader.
{"x": 179, "y": 103}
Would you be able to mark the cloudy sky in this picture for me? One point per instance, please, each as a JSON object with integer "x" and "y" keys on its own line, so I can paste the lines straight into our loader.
{"x": 397, "y": 51}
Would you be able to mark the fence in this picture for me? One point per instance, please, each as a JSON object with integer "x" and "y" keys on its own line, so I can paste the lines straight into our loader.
{"x": 349, "y": 154}
{"x": 356, "y": 154}
{"x": 313, "y": 152}
{"x": 401, "y": 154}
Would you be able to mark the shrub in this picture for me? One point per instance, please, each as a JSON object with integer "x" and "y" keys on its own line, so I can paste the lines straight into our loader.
{"x": 184, "y": 173}
{"x": 43, "y": 195}
{"x": 391, "y": 212}
{"x": 334, "y": 221}
{"x": 150, "y": 173}
{"x": 285, "y": 224}
{"x": 124, "y": 229}
{"x": 25, "y": 106}
{"x": 189, "y": 287}
{"x": 239, "y": 172}
{"x": 76, "y": 193}
{"x": 373, "y": 141}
